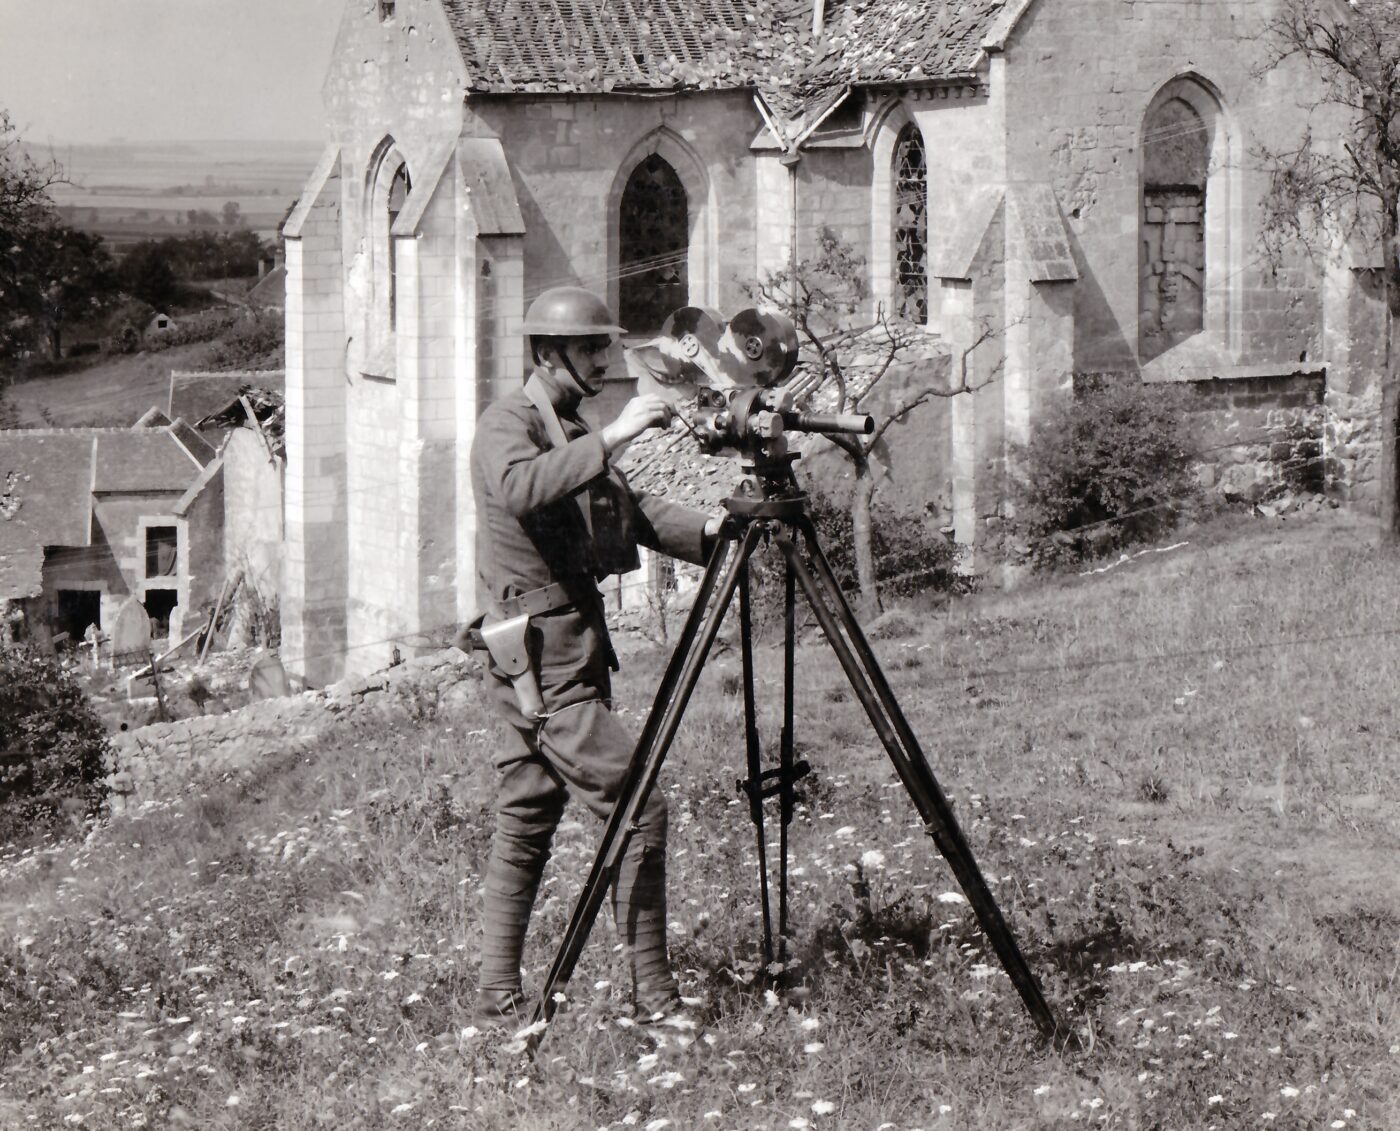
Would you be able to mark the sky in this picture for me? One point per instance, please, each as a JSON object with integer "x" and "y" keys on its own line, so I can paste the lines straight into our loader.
{"x": 158, "y": 70}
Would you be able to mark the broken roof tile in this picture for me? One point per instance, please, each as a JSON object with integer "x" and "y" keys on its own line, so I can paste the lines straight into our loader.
{"x": 45, "y": 500}
{"x": 594, "y": 46}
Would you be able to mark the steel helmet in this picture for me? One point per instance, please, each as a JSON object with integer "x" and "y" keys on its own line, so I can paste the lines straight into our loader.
{"x": 569, "y": 312}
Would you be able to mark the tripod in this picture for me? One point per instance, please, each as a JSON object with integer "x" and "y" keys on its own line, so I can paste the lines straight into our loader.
{"x": 769, "y": 505}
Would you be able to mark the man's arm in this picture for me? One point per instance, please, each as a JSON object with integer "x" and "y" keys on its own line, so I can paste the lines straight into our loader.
{"x": 672, "y": 529}
{"x": 526, "y": 477}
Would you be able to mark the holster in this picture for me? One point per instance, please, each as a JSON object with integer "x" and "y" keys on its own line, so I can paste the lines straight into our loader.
{"x": 508, "y": 643}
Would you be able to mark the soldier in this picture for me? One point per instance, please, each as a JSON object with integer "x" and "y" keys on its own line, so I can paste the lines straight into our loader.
{"x": 554, "y": 517}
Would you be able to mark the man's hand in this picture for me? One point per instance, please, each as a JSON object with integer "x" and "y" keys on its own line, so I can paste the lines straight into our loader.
{"x": 713, "y": 526}
{"x": 637, "y": 415}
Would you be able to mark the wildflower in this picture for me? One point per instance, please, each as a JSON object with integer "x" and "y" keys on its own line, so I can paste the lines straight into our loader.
{"x": 810, "y": 1023}
{"x": 713, "y": 1115}
{"x": 658, "y": 1124}
{"x": 667, "y": 1080}
{"x": 232, "y": 1101}
{"x": 1213, "y": 1100}
{"x": 798, "y": 1123}
{"x": 1041, "y": 1090}
{"x": 873, "y": 860}
{"x": 823, "y": 1107}
{"x": 744, "y": 1089}
{"x": 401, "y": 1109}
{"x": 951, "y": 897}
{"x": 1290, "y": 1091}
{"x": 1339, "y": 1123}
{"x": 647, "y": 1061}
{"x": 814, "y": 1047}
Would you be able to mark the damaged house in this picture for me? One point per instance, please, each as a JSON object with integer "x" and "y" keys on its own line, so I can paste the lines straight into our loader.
{"x": 91, "y": 518}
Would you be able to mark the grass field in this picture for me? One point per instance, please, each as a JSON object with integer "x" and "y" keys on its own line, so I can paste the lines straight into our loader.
{"x": 1181, "y": 775}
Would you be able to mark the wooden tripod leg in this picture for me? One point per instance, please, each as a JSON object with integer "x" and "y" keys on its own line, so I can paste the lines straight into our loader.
{"x": 682, "y": 672}
{"x": 853, "y": 651}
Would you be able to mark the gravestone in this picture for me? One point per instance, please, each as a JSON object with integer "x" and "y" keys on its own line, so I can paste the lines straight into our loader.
{"x": 268, "y": 679}
{"x": 131, "y": 633}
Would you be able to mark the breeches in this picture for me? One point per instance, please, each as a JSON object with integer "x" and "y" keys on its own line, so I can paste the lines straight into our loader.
{"x": 580, "y": 749}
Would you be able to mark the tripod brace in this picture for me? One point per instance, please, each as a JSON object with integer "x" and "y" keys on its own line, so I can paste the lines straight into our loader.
{"x": 769, "y": 505}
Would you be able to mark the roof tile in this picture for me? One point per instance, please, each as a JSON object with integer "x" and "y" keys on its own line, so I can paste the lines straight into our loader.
{"x": 591, "y": 46}
{"x": 45, "y": 500}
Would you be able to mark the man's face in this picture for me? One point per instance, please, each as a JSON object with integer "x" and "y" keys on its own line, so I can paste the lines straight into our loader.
{"x": 592, "y": 357}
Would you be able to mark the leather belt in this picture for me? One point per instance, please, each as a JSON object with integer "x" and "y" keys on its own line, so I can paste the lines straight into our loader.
{"x": 546, "y": 599}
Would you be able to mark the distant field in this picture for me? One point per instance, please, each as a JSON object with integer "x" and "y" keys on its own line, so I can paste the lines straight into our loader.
{"x": 130, "y": 192}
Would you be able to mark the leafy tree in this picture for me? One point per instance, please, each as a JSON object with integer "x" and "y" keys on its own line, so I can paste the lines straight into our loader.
{"x": 1323, "y": 193}
{"x": 146, "y": 273}
{"x": 852, "y": 356}
{"x": 49, "y": 272}
{"x": 231, "y": 214}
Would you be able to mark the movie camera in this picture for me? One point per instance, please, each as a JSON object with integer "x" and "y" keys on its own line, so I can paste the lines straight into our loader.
{"x": 725, "y": 381}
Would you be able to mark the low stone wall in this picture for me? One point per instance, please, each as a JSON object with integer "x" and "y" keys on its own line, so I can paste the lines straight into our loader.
{"x": 165, "y": 758}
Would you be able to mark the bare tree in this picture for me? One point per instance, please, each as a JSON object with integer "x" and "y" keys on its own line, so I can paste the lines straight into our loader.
{"x": 1347, "y": 188}
{"x": 824, "y": 295}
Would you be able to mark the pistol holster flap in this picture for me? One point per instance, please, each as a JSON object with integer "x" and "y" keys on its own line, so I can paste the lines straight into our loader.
{"x": 506, "y": 641}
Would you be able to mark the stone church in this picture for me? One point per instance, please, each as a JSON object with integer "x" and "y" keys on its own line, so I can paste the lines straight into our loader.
{"x": 1075, "y": 174}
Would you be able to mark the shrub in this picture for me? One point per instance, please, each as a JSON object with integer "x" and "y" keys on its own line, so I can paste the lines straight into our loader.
{"x": 51, "y": 744}
{"x": 251, "y": 343}
{"x": 909, "y": 558}
{"x": 1108, "y": 468}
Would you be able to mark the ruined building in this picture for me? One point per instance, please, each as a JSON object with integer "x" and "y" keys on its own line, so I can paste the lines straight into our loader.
{"x": 1073, "y": 173}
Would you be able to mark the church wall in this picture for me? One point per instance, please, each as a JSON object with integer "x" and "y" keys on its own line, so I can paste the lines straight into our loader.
{"x": 372, "y": 505}
{"x": 1080, "y": 76}
{"x": 571, "y": 155}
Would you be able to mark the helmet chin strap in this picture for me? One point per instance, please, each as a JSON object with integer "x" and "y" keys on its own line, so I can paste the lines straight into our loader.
{"x": 583, "y": 386}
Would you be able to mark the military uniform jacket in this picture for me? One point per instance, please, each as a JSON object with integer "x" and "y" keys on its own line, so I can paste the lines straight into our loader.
{"x": 531, "y": 530}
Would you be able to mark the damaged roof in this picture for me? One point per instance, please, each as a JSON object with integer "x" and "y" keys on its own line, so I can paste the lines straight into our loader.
{"x": 50, "y": 478}
{"x": 593, "y": 46}
{"x": 194, "y": 395}
{"x": 45, "y": 500}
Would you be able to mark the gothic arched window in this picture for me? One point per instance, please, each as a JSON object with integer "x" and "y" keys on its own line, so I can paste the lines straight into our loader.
{"x": 399, "y": 188}
{"x": 1176, "y": 146}
{"x": 911, "y": 226}
{"x": 653, "y": 246}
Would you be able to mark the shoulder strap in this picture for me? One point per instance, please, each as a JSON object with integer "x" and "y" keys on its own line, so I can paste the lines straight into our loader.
{"x": 534, "y": 391}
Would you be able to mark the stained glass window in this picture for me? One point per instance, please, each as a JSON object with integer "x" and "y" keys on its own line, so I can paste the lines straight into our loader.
{"x": 654, "y": 240}
{"x": 911, "y": 226}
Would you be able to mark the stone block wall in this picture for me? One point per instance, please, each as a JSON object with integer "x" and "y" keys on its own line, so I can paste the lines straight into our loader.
{"x": 1262, "y": 436}
{"x": 317, "y": 553}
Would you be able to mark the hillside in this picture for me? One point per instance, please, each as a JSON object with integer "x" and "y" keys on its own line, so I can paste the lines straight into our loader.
{"x": 1181, "y": 775}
